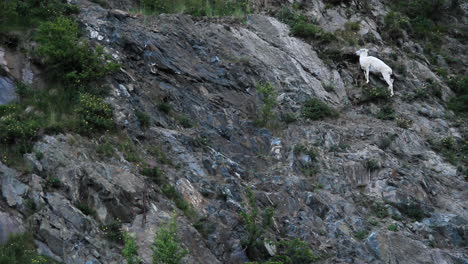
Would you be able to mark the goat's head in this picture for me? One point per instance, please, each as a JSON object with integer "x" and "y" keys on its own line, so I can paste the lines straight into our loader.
{"x": 362, "y": 52}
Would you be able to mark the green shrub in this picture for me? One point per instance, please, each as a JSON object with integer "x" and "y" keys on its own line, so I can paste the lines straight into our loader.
{"x": 159, "y": 154}
{"x": 289, "y": 118}
{"x": 94, "y": 114}
{"x": 143, "y": 118}
{"x": 155, "y": 173}
{"x": 164, "y": 107}
{"x": 412, "y": 209}
{"x": 113, "y": 231}
{"x": 395, "y": 24}
{"x": 268, "y": 97}
{"x": 315, "y": 109}
{"x": 130, "y": 250}
{"x": 404, "y": 122}
{"x": 210, "y": 8}
{"x": 166, "y": 247}
{"x": 454, "y": 151}
{"x": 353, "y": 26}
{"x": 53, "y": 182}
{"x": 372, "y": 164}
{"x": 18, "y": 128}
{"x": 69, "y": 60}
{"x": 129, "y": 150}
{"x": 185, "y": 122}
{"x": 393, "y": 227}
{"x": 255, "y": 223}
{"x": 386, "y": 113}
{"x": 86, "y": 209}
{"x": 302, "y": 27}
{"x": 375, "y": 93}
{"x": 459, "y": 84}
{"x": 20, "y": 249}
{"x": 361, "y": 234}
{"x": 30, "y": 12}
{"x": 379, "y": 209}
{"x": 179, "y": 201}
{"x": 294, "y": 251}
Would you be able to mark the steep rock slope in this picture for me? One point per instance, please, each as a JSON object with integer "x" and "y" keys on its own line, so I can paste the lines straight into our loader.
{"x": 356, "y": 188}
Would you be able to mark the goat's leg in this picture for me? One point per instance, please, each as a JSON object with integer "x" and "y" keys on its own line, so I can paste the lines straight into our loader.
{"x": 389, "y": 81}
{"x": 367, "y": 75}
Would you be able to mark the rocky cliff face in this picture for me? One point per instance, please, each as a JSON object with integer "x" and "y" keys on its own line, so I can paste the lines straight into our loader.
{"x": 356, "y": 188}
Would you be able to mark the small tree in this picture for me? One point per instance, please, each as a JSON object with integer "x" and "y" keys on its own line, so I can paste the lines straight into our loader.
{"x": 130, "y": 250}
{"x": 166, "y": 245}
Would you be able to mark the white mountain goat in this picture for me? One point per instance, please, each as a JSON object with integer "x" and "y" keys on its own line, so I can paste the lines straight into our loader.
{"x": 372, "y": 64}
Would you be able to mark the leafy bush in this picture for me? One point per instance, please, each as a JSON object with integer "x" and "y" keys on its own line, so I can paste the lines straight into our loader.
{"x": 315, "y": 109}
{"x": 454, "y": 151}
{"x": 68, "y": 59}
{"x": 130, "y": 250}
{"x": 20, "y": 249}
{"x": 86, "y": 209}
{"x": 372, "y": 164}
{"x": 404, "y": 122}
{"x": 143, "y": 118}
{"x": 210, "y": 8}
{"x": 155, "y": 174}
{"x": 185, "y": 121}
{"x": 395, "y": 23}
{"x": 379, "y": 209}
{"x": 361, "y": 234}
{"x": 113, "y": 231}
{"x": 268, "y": 97}
{"x": 302, "y": 27}
{"x": 393, "y": 227}
{"x": 255, "y": 225}
{"x": 166, "y": 246}
{"x": 16, "y": 127}
{"x": 53, "y": 182}
{"x": 30, "y": 12}
{"x": 294, "y": 251}
{"x": 179, "y": 201}
{"x": 386, "y": 113}
{"x": 94, "y": 114}
{"x": 164, "y": 107}
{"x": 459, "y": 85}
{"x": 375, "y": 93}
{"x": 129, "y": 150}
{"x": 353, "y": 26}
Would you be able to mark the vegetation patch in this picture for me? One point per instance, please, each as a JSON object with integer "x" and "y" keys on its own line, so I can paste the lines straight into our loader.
{"x": 143, "y": 119}
{"x": 374, "y": 93}
{"x": 113, "y": 231}
{"x": 179, "y": 201}
{"x": 86, "y": 209}
{"x": 315, "y": 109}
{"x": 70, "y": 60}
{"x": 94, "y": 114}
{"x": 130, "y": 250}
{"x": 459, "y": 103}
{"x": 302, "y": 27}
{"x": 20, "y": 249}
{"x": 26, "y": 13}
{"x": 361, "y": 234}
{"x": 155, "y": 174}
{"x": 386, "y": 113}
{"x": 210, "y": 8}
{"x": 294, "y": 251}
{"x": 268, "y": 96}
{"x": 453, "y": 150}
{"x": 167, "y": 248}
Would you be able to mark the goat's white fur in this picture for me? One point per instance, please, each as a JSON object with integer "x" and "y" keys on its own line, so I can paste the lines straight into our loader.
{"x": 372, "y": 64}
